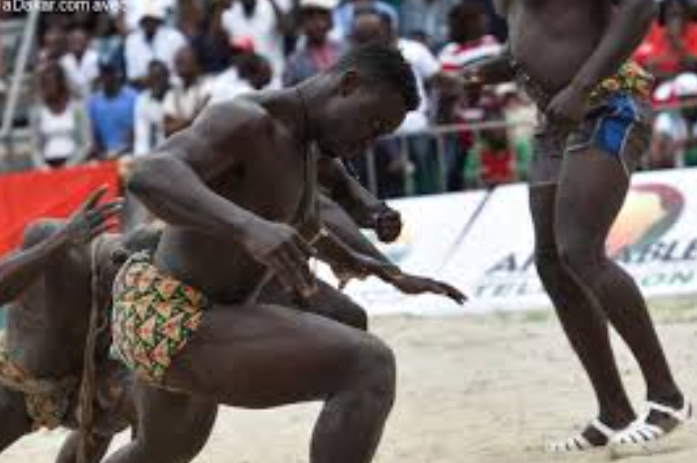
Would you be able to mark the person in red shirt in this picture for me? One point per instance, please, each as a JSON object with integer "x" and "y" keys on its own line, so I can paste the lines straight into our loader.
{"x": 671, "y": 46}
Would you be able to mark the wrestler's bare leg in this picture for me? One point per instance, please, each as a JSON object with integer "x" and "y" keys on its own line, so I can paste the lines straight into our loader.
{"x": 327, "y": 302}
{"x": 594, "y": 185}
{"x": 275, "y": 356}
{"x": 98, "y": 447}
{"x": 157, "y": 440}
{"x": 14, "y": 422}
{"x": 572, "y": 221}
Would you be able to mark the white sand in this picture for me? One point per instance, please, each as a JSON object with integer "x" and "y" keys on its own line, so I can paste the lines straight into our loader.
{"x": 486, "y": 390}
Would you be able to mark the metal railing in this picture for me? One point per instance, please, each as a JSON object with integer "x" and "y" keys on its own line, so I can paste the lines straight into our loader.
{"x": 16, "y": 84}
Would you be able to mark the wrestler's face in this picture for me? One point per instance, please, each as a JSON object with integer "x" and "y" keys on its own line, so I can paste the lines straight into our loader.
{"x": 357, "y": 115}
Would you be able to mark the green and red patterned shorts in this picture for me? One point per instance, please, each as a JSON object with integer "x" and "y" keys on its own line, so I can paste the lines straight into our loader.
{"x": 153, "y": 318}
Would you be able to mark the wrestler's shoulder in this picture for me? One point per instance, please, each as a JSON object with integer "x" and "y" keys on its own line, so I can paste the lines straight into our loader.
{"x": 242, "y": 113}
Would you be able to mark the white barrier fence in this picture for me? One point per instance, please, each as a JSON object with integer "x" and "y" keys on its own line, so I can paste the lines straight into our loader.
{"x": 491, "y": 258}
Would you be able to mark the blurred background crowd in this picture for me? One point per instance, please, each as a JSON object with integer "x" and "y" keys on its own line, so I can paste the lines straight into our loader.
{"x": 114, "y": 84}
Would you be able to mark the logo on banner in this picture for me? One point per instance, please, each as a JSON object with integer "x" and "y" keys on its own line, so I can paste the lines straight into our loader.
{"x": 649, "y": 212}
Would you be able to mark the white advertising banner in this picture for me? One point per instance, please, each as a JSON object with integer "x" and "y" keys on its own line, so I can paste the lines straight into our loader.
{"x": 654, "y": 238}
{"x": 491, "y": 259}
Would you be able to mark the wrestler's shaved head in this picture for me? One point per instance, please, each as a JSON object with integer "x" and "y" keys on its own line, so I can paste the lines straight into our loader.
{"x": 382, "y": 65}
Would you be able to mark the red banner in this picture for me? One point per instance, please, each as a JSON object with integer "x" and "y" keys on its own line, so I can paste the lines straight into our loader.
{"x": 29, "y": 196}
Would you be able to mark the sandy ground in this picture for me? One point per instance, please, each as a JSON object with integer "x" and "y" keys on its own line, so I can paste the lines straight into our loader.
{"x": 487, "y": 389}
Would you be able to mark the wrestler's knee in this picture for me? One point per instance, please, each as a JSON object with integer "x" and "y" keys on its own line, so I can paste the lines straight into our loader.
{"x": 353, "y": 315}
{"x": 583, "y": 262}
{"x": 375, "y": 370}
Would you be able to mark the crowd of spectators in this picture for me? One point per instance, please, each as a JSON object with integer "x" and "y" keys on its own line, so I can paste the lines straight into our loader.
{"x": 114, "y": 85}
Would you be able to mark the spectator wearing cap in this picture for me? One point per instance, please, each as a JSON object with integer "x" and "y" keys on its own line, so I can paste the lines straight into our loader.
{"x": 60, "y": 126}
{"x": 153, "y": 40}
{"x": 150, "y": 114}
{"x": 317, "y": 51}
{"x": 674, "y": 142}
{"x": 671, "y": 46}
{"x": 426, "y": 20}
{"x": 189, "y": 95}
{"x": 81, "y": 63}
{"x": 112, "y": 112}
{"x": 265, "y": 22}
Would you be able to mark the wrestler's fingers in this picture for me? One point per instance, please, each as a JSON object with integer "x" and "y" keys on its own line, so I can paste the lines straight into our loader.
{"x": 281, "y": 273}
{"x": 95, "y": 197}
{"x": 300, "y": 268}
{"x": 108, "y": 210}
{"x": 302, "y": 279}
{"x": 453, "y": 293}
{"x": 304, "y": 247}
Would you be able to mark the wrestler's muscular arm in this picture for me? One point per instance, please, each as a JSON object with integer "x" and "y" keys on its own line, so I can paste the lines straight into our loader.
{"x": 364, "y": 208}
{"x": 44, "y": 240}
{"x": 199, "y": 154}
{"x": 630, "y": 22}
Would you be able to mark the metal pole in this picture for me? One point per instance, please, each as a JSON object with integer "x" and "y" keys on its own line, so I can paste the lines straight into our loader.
{"x": 18, "y": 75}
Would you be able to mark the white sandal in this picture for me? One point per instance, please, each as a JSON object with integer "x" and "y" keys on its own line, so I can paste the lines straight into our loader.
{"x": 578, "y": 443}
{"x": 642, "y": 434}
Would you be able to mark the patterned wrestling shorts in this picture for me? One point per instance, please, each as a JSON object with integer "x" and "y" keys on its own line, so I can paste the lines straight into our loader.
{"x": 618, "y": 123}
{"x": 47, "y": 401}
{"x": 153, "y": 318}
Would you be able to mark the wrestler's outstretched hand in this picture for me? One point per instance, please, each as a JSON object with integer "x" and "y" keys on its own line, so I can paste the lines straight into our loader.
{"x": 285, "y": 253}
{"x": 92, "y": 219}
{"x": 411, "y": 284}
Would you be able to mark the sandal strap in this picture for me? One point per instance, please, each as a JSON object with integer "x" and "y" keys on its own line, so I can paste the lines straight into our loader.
{"x": 683, "y": 414}
{"x": 602, "y": 428}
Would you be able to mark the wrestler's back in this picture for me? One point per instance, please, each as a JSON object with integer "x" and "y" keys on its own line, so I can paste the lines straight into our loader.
{"x": 271, "y": 186}
{"x": 553, "y": 38}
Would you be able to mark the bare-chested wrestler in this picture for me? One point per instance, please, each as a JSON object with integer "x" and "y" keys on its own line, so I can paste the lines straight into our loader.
{"x": 47, "y": 287}
{"x": 187, "y": 320}
{"x": 573, "y": 58}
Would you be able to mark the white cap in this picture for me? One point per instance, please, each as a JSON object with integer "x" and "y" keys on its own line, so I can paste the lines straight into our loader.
{"x": 328, "y": 5}
{"x": 685, "y": 85}
{"x": 156, "y": 9}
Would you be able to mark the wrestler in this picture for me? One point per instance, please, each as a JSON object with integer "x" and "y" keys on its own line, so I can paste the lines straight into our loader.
{"x": 47, "y": 288}
{"x": 573, "y": 58}
{"x": 187, "y": 319}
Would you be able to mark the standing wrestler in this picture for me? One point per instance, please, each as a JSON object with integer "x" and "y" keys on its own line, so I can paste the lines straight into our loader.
{"x": 573, "y": 58}
{"x": 47, "y": 288}
{"x": 187, "y": 322}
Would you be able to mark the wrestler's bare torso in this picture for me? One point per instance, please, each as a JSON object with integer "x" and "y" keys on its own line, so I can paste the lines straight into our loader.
{"x": 270, "y": 183}
{"x": 47, "y": 325}
{"x": 552, "y": 39}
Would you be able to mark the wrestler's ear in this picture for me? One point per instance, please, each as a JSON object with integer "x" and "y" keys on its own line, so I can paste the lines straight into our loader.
{"x": 349, "y": 83}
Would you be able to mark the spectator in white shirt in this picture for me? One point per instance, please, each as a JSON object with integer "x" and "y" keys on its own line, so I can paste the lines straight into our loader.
{"x": 187, "y": 98}
{"x": 265, "y": 22}
{"x": 81, "y": 63}
{"x": 150, "y": 114}
{"x": 60, "y": 125}
{"x": 152, "y": 41}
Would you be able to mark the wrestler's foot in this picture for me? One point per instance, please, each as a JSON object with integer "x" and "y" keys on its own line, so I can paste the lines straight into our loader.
{"x": 596, "y": 436}
{"x": 656, "y": 423}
